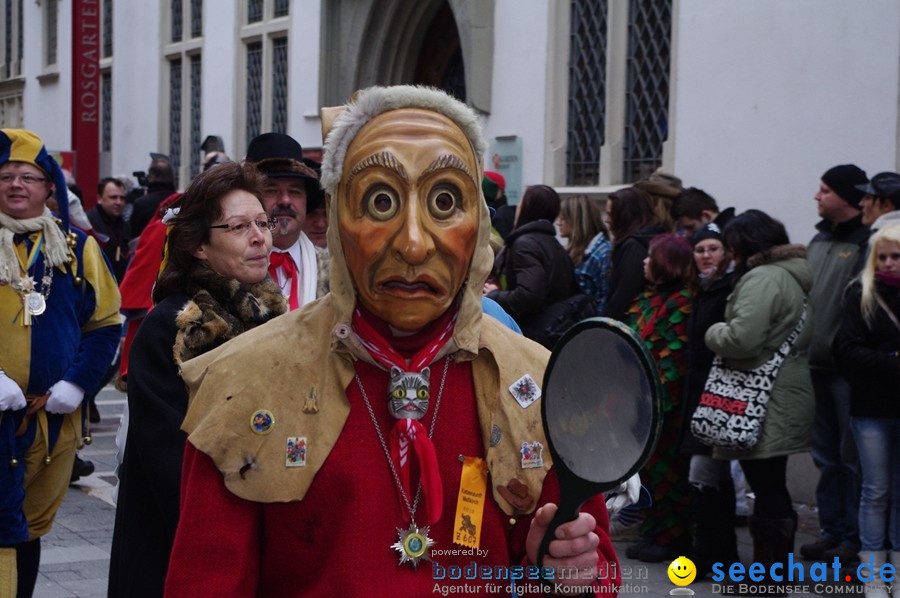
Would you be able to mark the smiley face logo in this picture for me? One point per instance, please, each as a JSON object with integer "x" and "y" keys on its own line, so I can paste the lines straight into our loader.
{"x": 682, "y": 571}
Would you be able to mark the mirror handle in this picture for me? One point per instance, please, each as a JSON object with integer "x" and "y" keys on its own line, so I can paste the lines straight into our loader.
{"x": 567, "y": 510}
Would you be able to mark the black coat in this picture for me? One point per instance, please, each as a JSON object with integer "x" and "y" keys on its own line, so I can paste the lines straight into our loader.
{"x": 863, "y": 354}
{"x": 537, "y": 269}
{"x": 146, "y": 207}
{"x": 627, "y": 277}
{"x": 708, "y": 308}
{"x": 150, "y": 476}
{"x": 119, "y": 233}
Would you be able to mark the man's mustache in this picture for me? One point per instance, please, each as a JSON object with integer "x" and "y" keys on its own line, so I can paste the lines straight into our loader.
{"x": 283, "y": 211}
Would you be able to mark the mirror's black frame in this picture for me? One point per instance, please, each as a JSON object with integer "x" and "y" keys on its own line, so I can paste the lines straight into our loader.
{"x": 652, "y": 373}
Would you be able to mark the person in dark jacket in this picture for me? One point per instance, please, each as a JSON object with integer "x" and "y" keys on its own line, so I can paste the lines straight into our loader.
{"x": 213, "y": 286}
{"x": 106, "y": 219}
{"x": 160, "y": 185}
{"x": 836, "y": 254}
{"x": 534, "y": 269}
{"x": 712, "y": 488}
{"x": 866, "y": 350}
{"x": 630, "y": 214}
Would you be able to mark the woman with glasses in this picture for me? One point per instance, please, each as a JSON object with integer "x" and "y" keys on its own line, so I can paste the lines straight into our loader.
{"x": 712, "y": 489}
{"x": 213, "y": 285}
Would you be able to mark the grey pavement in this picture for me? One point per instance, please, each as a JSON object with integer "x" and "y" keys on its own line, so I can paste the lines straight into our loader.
{"x": 75, "y": 557}
{"x": 75, "y": 554}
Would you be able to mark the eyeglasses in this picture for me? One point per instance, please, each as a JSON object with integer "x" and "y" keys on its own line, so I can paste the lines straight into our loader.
{"x": 28, "y": 179}
{"x": 708, "y": 250}
{"x": 244, "y": 227}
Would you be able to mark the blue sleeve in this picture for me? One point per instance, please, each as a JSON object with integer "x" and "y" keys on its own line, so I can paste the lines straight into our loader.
{"x": 493, "y": 309}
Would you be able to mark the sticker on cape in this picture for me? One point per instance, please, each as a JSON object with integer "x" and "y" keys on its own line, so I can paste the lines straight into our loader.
{"x": 532, "y": 455}
{"x": 525, "y": 390}
{"x": 262, "y": 421}
{"x": 295, "y": 455}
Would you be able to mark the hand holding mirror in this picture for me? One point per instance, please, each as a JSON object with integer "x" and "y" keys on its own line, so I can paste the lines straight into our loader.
{"x": 601, "y": 413}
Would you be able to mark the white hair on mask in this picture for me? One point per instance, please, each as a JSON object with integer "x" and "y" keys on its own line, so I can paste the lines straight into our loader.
{"x": 372, "y": 101}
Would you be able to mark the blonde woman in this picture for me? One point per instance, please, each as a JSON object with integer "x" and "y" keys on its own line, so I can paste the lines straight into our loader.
{"x": 581, "y": 222}
{"x": 867, "y": 351}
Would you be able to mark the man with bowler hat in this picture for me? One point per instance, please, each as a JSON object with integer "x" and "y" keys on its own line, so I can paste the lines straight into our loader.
{"x": 291, "y": 192}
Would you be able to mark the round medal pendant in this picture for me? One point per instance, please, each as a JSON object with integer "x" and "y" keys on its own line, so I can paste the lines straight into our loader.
{"x": 413, "y": 544}
{"x": 35, "y": 303}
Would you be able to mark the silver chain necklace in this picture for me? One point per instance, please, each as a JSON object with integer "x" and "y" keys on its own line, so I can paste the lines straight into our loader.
{"x": 413, "y": 543}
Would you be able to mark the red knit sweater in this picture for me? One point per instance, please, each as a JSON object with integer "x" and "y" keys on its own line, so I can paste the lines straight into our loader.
{"x": 336, "y": 541}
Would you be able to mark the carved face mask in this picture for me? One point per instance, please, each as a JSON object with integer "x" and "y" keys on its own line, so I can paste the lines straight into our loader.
{"x": 408, "y": 215}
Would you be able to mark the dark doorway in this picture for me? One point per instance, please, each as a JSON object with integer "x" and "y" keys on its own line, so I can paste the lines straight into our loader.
{"x": 440, "y": 62}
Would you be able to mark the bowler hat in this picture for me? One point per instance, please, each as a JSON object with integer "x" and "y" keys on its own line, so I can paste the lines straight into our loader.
{"x": 279, "y": 156}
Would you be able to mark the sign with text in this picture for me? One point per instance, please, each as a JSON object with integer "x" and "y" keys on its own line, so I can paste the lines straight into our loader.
{"x": 86, "y": 95}
{"x": 505, "y": 157}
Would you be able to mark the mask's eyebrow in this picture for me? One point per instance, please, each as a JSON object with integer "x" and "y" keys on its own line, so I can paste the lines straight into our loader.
{"x": 383, "y": 159}
{"x": 446, "y": 161}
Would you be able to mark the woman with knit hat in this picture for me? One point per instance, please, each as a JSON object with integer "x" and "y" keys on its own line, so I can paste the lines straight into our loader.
{"x": 712, "y": 488}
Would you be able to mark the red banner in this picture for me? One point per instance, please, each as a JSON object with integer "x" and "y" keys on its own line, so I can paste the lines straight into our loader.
{"x": 86, "y": 95}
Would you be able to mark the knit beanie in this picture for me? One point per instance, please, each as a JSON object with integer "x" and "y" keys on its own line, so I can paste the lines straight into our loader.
{"x": 490, "y": 189}
{"x": 710, "y": 230}
{"x": 843, "y": 180}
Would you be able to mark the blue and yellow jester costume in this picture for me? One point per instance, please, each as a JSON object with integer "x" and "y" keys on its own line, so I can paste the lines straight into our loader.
{"x": 73, "y": 339}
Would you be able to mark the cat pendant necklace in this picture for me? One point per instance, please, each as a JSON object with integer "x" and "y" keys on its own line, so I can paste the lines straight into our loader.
{"x": 409, "y": 397}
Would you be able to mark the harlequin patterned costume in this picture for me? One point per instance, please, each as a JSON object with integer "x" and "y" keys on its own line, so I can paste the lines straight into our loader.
{"x": 659, "y": 316}
{"x": 73, "y": 340}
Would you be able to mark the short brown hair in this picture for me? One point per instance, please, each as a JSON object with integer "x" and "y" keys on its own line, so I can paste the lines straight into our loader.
{"x": 200, "y": 206}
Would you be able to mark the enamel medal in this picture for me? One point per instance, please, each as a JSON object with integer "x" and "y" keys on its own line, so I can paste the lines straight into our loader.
{"x": 413, "y": 544}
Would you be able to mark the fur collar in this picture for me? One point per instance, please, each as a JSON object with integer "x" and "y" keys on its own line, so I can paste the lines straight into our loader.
{"x": 221, "y": 308}
{"x": 774, "y": 254}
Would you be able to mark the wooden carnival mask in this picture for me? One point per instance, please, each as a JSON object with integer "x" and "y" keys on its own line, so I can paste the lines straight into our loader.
{"x": 408, "y": 215}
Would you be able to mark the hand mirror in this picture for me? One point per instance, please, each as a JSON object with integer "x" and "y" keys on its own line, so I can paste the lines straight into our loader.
{"x": 601, "y": 412}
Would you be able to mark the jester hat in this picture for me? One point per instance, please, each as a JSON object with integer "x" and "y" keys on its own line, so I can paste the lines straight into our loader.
{"x": 19, "y": 145}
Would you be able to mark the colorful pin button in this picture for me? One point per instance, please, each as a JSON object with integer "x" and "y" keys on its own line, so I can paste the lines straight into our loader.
{"x": 262, "y": 422}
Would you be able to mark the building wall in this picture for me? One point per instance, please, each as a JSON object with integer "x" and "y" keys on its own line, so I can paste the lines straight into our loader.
{"x": 521, "y": 57}
{"x": 48, "y": 101}
{"x": 765, "y": 96}
{"x": 769, "y": 95}
{"x": 139, "y": 99}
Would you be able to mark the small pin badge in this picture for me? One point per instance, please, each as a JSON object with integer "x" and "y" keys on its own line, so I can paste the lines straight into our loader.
{"x": 312, "y": 402}
{"x": 532, "y": 455}
{"x": 525, "y": 390}
{"x": 495, "y": 434}
{"x": 295, "y": 455}
{"x": 262, "y": 421}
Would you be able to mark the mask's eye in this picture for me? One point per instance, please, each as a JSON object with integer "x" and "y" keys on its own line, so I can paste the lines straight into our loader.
{"x": 398, "y": 394}
{"x": 444, "y": 201}
{"x": 381, "y": 202}
{"x": 422, "y": 393}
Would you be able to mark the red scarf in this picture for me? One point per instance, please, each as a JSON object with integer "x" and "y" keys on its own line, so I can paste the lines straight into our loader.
{"x": 889, "y": 278}
{"x": 420, "y": 350}
{"x": 284, "y": 260}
